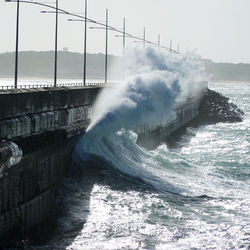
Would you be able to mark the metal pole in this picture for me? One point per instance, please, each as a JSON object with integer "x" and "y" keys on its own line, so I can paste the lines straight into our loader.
{"x": 56, "y": 32}
{"x": 144, "y": 37}
{"x": 124, "y": 27}
{"x": 123, "y": 47}
{"x": 85, "y": 46}
{"x": 17, "y": 37}
{"x": 106, "y": 50}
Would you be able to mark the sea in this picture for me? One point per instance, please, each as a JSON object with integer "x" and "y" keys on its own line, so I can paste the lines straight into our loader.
{"x": 101, "y": 208}
{"x": 119, "y": 195}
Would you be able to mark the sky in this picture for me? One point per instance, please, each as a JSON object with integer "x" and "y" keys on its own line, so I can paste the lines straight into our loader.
{"x": 216, "y": 29}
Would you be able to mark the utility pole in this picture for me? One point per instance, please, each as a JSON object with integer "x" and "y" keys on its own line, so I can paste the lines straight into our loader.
{"x": 106, "y": 49}
{"x": 123, "y": 47}
{"x": 56, "y": 33}
{"x": 17, "y": 38}
{"x": 123, "y": 33}
{"x": 144, "y": 37}
{"x": 85, "y": 45}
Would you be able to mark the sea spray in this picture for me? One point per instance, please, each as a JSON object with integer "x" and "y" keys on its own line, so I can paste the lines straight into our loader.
{"x": 155, "y": 82}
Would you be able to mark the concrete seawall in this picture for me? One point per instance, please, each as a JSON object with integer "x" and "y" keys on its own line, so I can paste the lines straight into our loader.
{"x": 38, "y": 131}
{"x": 29, "y": 112}
{"x": 149, "y": 136}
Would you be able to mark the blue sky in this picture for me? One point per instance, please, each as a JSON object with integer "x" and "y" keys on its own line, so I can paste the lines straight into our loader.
{"x": 216, "y": 29}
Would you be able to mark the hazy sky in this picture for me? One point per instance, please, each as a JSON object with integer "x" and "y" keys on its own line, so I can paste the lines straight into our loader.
{"x": 217, "y": 29}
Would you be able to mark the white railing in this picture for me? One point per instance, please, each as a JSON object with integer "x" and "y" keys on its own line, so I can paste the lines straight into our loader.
{"x": 47, "y": 85}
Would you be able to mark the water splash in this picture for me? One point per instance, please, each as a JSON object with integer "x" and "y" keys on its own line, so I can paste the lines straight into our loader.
{"x": 155, "y": 83}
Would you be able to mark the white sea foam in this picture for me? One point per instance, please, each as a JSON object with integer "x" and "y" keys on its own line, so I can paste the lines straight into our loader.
{"x": 155, "y": 82}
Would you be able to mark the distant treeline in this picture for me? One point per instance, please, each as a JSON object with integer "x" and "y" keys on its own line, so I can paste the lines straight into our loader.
{"x": 227, "y": 71}
{"x": 70, "y": 65}
{"x": 41, "y": 64}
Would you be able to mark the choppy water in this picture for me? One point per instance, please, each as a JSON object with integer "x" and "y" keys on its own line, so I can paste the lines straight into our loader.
{"x": 100, "y": 208}
{"x": 122, "y": 196}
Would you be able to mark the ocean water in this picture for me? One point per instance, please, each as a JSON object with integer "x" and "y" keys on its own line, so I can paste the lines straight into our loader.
{"x": 122, "y": 196}
{"x": 102, "y": 208}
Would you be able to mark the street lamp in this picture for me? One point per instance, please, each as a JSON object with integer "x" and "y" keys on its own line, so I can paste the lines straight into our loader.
{"x": 56, "y": 33}
{"x": 124, "y": 36}
{"x": 123, "y": 47}
{"x": 56, "y": 39}
{"x": 144, "y": 37}
{"x": 17, "y": 40}
{"x": 17, "y": 33}
{"x": 85, "y": 45}
{"x": 105, "y": 26}
{"x": 106, "y": 49}
{"x": 85, "y": 20}
{"x": 106, "y": 45}
{"x": 17, "y": 36}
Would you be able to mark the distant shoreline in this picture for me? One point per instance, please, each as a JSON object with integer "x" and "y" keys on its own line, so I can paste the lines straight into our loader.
{"x": 40, "y": 65}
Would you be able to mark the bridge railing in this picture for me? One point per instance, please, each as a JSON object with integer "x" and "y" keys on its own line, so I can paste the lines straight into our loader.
{"x": 48, "y": 85}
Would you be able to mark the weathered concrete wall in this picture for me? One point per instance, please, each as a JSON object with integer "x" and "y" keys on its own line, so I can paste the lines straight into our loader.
{"x": 16, "y": 103}
{"x": 37, "y": 123}
{"x": 29, "y": 112}
{"x": 27, "y": 190}
{"x": 186, "y": 110}
{"x": 149, "y": 136}
{"x": 38, "y": 131}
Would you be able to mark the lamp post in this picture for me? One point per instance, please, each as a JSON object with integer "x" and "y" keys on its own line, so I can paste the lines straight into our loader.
{"x": 56, "y": 34}
{"x": 107, "y": 28}
{"x": 17, "y": 40}
{"x": 17, "y": 36}
{"x": 123, "y": 47}
{"x": 144, "y": 37}
{"x": 56, "y": 38}
{"x": 85, "y": 45}
{"x": 106, "y": 49}
{"x": 85, "y": 20}
{"x": 124, "y": 36}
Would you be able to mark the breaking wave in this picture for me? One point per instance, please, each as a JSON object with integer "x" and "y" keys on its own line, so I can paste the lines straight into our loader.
{"x": 155, "y": 83}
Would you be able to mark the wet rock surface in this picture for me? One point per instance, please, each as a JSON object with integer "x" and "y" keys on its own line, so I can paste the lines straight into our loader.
{"x": 216, "y": 108}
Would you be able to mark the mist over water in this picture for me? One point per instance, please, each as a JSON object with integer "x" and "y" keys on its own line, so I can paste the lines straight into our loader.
{"x": 155, "y": 81}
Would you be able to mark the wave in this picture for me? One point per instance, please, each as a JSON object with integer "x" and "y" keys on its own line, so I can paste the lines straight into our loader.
{"x": 155, "y": 83}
